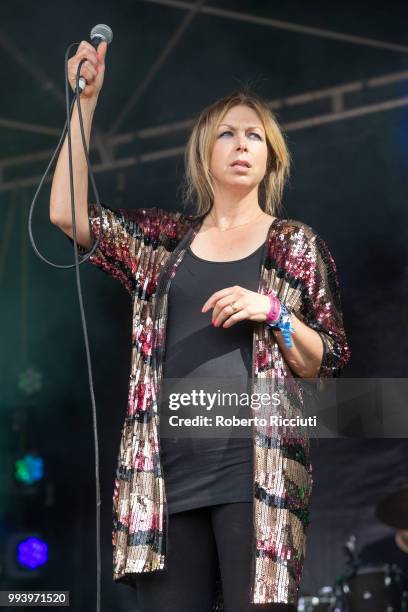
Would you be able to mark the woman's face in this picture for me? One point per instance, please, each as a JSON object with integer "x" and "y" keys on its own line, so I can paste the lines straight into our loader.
{"x": 240, "y": 137}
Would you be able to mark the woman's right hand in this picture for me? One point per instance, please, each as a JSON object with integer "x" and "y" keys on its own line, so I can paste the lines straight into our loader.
{"x": 92, "y": 70}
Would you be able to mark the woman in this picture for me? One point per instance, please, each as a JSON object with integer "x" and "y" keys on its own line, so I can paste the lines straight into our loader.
{"x": 185, "y": 535}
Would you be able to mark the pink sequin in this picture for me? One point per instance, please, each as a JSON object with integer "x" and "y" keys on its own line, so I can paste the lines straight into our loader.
{"x": 142, "y": 249}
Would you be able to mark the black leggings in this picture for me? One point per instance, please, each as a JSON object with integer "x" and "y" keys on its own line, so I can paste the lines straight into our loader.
{"x": 198, "y": 540}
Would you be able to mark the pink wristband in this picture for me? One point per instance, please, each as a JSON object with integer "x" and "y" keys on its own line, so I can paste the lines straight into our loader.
{"x": 274, "y": 311}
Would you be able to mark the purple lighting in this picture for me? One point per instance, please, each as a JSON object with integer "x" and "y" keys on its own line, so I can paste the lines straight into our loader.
{"x": 32, "y": 553}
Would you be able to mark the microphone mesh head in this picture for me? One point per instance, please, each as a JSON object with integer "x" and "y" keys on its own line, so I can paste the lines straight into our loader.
{"x": 102, "y": 31}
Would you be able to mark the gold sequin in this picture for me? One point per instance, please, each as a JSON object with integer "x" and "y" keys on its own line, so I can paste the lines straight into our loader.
{"x": 142, "y": 249}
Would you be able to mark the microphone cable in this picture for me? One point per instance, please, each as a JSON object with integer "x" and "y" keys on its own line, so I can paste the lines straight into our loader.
{"x": 67, "y": 130}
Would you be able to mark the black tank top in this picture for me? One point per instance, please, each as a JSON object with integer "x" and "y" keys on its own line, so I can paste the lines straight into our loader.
{"x": 206, "y": 471}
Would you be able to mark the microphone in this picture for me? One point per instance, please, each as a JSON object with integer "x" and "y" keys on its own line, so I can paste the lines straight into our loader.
{"x": 99, "y": 33}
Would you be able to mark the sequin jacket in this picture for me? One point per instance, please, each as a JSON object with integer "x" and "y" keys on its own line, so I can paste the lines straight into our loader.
{"x": 142, "y": 248}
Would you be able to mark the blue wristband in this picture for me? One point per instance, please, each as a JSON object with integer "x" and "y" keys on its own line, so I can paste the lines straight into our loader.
{"x": 284, "y": 324}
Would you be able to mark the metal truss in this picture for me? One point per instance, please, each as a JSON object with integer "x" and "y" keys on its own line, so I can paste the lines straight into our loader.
{"x": 107, "y": 146}
{"x": 337, "y": 97}
{"x": 284, "y": 25}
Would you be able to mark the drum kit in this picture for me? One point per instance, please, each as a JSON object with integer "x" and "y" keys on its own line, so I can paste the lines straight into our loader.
{"x": 363, "y": 587}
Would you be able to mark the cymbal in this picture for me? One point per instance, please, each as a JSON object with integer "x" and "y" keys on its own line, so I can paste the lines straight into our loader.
{"x": 393, "y": 509}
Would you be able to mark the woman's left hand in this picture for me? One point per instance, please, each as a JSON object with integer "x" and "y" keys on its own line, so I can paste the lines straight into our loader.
{"x": 246, "y": 305}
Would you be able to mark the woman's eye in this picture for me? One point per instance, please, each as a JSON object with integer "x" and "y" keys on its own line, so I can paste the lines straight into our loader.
{"x": 250, "y": 134}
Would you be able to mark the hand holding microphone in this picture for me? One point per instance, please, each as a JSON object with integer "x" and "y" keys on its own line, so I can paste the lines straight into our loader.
{"x": 93, "y": 67}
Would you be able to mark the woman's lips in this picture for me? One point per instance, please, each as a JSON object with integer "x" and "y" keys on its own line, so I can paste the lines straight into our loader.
{"x": 240, "y": 167}
{"x": 241, "y": 163}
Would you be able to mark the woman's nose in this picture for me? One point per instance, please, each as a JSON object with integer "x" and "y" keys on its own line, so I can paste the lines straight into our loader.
{"x": 241, "y": 146}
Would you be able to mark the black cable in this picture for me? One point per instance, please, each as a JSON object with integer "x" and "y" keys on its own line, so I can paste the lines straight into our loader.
{"x": 67, "y": 129}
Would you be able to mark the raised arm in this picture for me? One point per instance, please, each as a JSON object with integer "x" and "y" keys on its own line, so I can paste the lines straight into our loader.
{"x": 60, "y": 202}
{"x": 130, "y": 238}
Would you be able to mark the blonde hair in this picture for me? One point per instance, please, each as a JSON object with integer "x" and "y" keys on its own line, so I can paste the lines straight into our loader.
{"x": 197, "y": 186}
